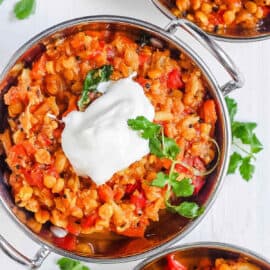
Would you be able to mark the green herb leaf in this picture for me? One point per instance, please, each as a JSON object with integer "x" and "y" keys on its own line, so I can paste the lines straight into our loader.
{"x": 235, "y": 161}
{"x": 1, "y": 1}
{"x": 255, "y": 145}
{"x": 149, "y": 129}
{"x": 156, "y": 147}
{"x": 69, "y": 264}
{"x": 247, "y": 169}
{"x": 232, "y": 107}
{"x": 93, "y": 78}
{"x": 171, "y": 148}
{"x": 24, "y": 8}
{"x": 187, "y": 209}
{"x": 183, "y": 188}
{"x": 161, "y": 180}
{"x": 243, "y": 131}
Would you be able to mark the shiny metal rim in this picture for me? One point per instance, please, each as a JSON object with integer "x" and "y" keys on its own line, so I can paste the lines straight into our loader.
{"x": 208, "y": 75}
{"x": 217, "y": 245}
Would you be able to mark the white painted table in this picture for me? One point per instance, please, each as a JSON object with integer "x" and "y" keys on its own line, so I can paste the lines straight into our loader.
{"x": 241, "y": 213}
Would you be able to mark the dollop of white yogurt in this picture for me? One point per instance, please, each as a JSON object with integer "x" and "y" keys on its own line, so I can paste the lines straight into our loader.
{"x": 98, "y": 141}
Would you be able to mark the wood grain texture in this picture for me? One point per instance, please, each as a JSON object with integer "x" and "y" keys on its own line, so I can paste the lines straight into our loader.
{"x": 241, "y": 213}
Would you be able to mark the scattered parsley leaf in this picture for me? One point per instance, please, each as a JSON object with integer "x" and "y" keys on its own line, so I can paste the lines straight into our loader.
{"x": 24, "y": 8}
{"x": 247, "y": 169}
{"x": 149, "y": 129}
{"x": 69, "y": 264}
{"x": 235, "y": 161}
{"x": 93, "y": 78}
{"x": 244, "y": 131}
{"x": 255, "y": 144}
{"x": 156, "y": 147}
{"x": 161, "y": 180}
{"x": 187, "y": 209}
{"x": 183, "y": 188}
{"x": 171, "y": 149}
{"x": 232, "y": 107}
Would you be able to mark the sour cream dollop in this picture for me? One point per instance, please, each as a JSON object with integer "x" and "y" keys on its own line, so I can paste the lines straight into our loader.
{"x": 98, "y": 141}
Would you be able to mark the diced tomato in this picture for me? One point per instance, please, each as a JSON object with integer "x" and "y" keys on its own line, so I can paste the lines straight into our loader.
{"x": 89, "y": 221}
{"x": 57, "y": 133}
{"x": 143, "y": 58}
{"x": 34, "y": 177}
{"x": 29, "y": 148}
{"x": 119, "y": 194}
{"x": 73, "y": 228}
{"x": 39, "y": 67}
{"x": 110, "y": 54}
{"x": 130, "y": 188}
{"x": 181, "y": 169}
{"x": 44, "y": 139}
{"x": 216, "y": 18}
{"x": 94, "y": 54}
{"x": 198, "y": 182}
{"x": 142, "y": 81}
{"x": 266, "y": 11}
{"x": 68, "y": 242}
{"x": 52, "y": 171}
{"x": 209, "y": 113}
{"x": 166, "y": 163}
{"x": 173, "y": 264}
{"x": 138, "y": 200}
{"x": 105, "y": 193}
{"x": 102, "y": 43}
{"x": 174, "y": 79}
{"x": 198, "y": 164}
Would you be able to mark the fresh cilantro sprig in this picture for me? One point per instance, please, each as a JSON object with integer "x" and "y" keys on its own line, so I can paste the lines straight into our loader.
{"x": 69, "y": 264}
{"x": 91, "y": 82}
{"x": 245, "y": 142}
{"x": 165, "y": 147}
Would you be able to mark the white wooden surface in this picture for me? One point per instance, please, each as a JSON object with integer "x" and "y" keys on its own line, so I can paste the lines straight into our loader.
{"x": 241, "y": 213}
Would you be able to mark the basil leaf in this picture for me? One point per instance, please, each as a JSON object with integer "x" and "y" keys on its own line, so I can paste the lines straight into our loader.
{"x": 232, "y": 107}
{"x": 183, "y": 188}
{"x": 161, "y": 180}
{"x": 171, "y": 149}
{"x": 247, "y": 169}
{"x": 187, "y": 209}
{"x": 255, "y": 145}
{"x": 156, "y": 147}
{"x": 149, "y": 129}
{"x": 24, "y": 8}
{"x": 243, "y": 131}
{"x": 235, "y": 161}
{"x": 93, "y": 78}
{"x": 69, "y": 264}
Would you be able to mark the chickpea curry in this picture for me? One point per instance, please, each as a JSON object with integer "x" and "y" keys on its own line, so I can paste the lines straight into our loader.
{"x": 218, "y": 15}
{"x": 42, "y": 179}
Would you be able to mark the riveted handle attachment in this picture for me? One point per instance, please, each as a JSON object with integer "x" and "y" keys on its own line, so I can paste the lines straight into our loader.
{"x": 207, "y": 42}
{"x": 15, "y": 255}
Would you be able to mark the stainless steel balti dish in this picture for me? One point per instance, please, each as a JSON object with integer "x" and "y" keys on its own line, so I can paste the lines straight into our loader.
{"x": 242, "y": 32}
{"x": 159, "y": 236}
{"x": 194, "y": 254}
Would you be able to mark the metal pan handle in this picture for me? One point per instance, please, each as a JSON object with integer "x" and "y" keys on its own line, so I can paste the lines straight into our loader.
{"x": 15, "y": 255}
{"x": 237, "y": 78}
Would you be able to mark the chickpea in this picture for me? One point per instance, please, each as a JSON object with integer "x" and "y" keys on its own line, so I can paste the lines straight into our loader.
{"x": 105, "y": 211}
{"x": 251, "y": 7}
{"x": 49, "y": 181}
{"x": 42, "y": 216}
{"x": 196, "y": 4}
{"x": 15, "y": 109}
{"x": 206, "y": 8}
{"x": 154, "y": 73}
{"x": 229, "y": 17}
{"x": 259, "y": 13}
{"x": 25, "y": 193}
{"x": 59, "y": 185}
{"x": 201, "y": 17}
{"x": 183, "y": 5}
{"x": 43, "y": 156}
{"x": 60, "y": 161}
